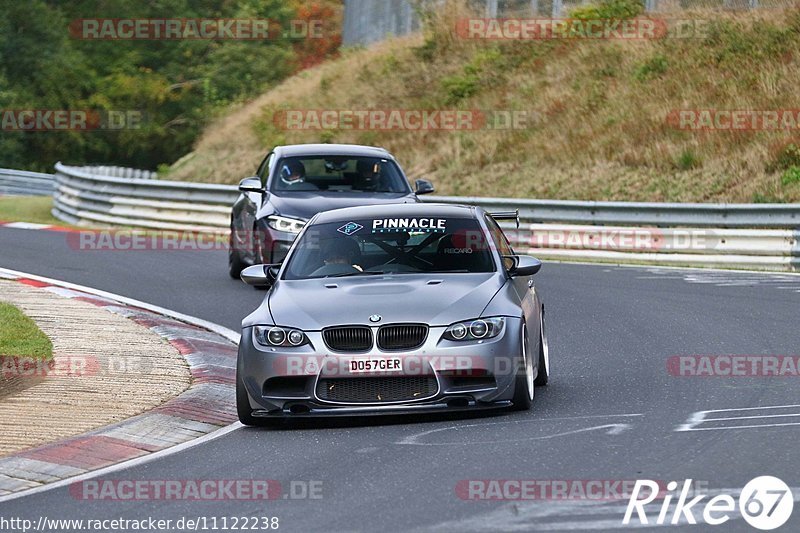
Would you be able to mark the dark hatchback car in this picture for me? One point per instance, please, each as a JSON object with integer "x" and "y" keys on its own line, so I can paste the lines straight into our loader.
{"x": 294, "y": 183}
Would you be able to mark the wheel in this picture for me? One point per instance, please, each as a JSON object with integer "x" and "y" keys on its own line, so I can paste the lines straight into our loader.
{"x": 235, "y": 263}
{"x": 544, "y": 357}
{"x": 523, "y": 383}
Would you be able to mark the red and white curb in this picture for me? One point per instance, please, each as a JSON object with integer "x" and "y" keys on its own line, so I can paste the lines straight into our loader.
{"x": 31, "y": 225}
{"x": 205, "y": 407}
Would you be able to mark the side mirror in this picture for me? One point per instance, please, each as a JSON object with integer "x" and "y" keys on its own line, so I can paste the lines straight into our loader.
{"x": 424, "y": 187}
{"x": 252, "y": 184}
{"x": 524, "y": 266}
{"x": 261, "y": 276}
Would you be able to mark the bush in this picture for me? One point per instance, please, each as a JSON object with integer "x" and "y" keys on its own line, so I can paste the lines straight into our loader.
{"x": 652, "y": 68}
{"x": 791, "y": 176}
{"x": 461, "y": 86}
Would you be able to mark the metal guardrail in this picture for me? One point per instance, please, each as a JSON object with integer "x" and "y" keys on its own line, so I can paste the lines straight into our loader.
{"x": 82, "y": 197}
{"x": 641, "y": 213}
{"x": 752, "y": 236}
{"x": 121, "y": 172}
{"x": 24, "y": 183}
{"x": 755, "y": 249}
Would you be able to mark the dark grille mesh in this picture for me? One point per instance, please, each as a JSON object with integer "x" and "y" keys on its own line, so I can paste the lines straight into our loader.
{"x": 402, "y": 336}
{"x": 376, "y": 390}
{"x": 348, "y": 338}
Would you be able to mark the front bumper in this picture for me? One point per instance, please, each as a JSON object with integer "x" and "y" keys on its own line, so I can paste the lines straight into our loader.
{"x": 309, "y": 409}
{"x": 274, "y": 244}
{"x": 284, "y": 382}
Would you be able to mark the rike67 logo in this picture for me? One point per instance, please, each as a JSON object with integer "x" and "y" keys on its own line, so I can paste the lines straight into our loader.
{"x": 765, "y": 503}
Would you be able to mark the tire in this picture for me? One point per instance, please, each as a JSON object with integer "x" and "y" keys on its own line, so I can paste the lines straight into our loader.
{"x": 544, "y": 357}
{"x": 523, "y": 382}
{"x": 235, "y": 263}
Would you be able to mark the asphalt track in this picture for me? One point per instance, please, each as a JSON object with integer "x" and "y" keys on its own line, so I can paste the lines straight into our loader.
{"x": 611, "y": 412}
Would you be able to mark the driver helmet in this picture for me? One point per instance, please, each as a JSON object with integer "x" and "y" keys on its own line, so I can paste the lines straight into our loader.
{"x": 367, "y": 171}
{"x": 292, "y": 172}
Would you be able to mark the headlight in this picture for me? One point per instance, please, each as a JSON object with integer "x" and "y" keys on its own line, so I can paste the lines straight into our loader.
{"x": 475, "y": 330}
{"x": 270, "y": 336}
{"x": 289, "y": 225}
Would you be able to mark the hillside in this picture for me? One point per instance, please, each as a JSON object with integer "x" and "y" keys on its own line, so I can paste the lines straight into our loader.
{"x": 603, "y": 115}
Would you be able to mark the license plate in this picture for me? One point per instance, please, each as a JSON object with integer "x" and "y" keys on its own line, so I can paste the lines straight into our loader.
{"x": 366, "y": 365}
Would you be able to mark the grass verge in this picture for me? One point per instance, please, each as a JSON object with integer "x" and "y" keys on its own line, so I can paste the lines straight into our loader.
{"x": 35, "y": 209}
{"x": 20, "y": 337}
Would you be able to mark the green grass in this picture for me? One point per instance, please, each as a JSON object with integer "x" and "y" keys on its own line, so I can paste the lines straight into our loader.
{"x": 34, "y": 209}
{"x": 20, "y": 337}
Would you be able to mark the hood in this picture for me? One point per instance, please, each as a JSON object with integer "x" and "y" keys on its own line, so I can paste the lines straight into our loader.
{"x": 433, "y": 299}
{"x": 307, "y": 204}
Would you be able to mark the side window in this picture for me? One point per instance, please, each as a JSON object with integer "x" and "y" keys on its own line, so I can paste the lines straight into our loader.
{"x": 499, "y": 237}
{"x": 263, "y": 168}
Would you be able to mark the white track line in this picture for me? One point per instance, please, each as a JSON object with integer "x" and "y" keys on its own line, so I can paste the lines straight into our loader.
{"x": 124, "y": 465}
{"x": 752, "y": 426}
{"x": 700, "y": 417}
{"x": 414, "y": 438}
{"x": 768, "y": 273}
{"x": 216, "y": 328}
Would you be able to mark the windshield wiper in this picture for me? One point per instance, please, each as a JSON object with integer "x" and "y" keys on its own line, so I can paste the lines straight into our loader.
{"x": 364, "y": 273}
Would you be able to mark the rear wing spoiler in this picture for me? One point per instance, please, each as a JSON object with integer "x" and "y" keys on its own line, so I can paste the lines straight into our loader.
{"x": 506, "y": 215}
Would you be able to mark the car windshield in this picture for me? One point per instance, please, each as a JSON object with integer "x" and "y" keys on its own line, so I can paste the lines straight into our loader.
{"x": 339, "y": 174}
{"x": 391, "y": 246}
